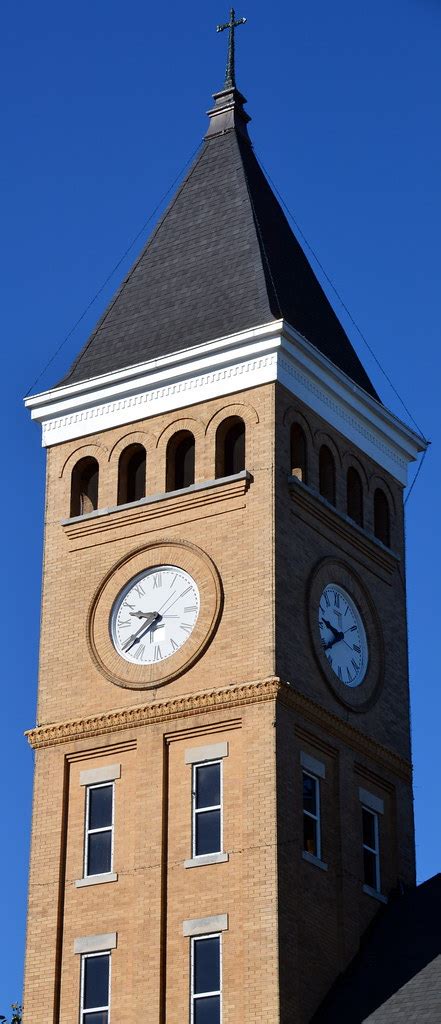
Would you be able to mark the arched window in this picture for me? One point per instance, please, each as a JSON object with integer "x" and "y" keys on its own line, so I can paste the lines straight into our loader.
{"x": 180, "y": 461}
{"x": 131, "y": 474}
{"x": 381, "y": 517}
{"x": 354, "y": 496}
{"x": 298, "y": 453}
{"x": 230, "y": 447}
{"x": 84, "y": 487}
{"x": 327, "y": 474}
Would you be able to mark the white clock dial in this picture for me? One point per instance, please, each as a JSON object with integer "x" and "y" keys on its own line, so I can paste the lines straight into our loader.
{"x": 342, "y": 635}
{"x": 154, "y": 614}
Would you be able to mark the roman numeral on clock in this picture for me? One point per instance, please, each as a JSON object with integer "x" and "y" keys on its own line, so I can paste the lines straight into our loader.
{"x": 157, "y": 581}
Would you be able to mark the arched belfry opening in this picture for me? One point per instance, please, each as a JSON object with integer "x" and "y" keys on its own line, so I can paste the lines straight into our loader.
{"x": 298, "y": 453}
{"x": 327, "y": 474}
{"x": 180, "y": 461}
{"x": 132, "y": 474}
{"x": 354, "y": 496}
{"x": 230, "y": 447}
{"x": 381, "y": 517}
{"x": 84, "y": 487}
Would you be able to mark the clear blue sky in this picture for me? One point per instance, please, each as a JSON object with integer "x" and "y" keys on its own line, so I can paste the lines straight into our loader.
{"x": 102, "y": 103}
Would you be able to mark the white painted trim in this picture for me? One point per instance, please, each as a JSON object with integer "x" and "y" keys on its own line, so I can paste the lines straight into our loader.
{"x": 312, "y": 765}
{"x": 376, "y": 895}
{"x": 108, "y": 876}
{"x": 309, "y": 857}
{"x": 205, "y": 925}
{"x": 94, "y": 776}
{"x": 269, "y": 353}
{"x": 211, "y": 752}
{"x": 206, "y": 858}
{"x": 96, "y": 943}
{"x": 374, "y": 803}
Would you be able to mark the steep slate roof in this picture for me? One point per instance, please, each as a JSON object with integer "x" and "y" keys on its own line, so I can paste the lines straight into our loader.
{"x": 396, "y": 976}
{"x": 222, "y": 259}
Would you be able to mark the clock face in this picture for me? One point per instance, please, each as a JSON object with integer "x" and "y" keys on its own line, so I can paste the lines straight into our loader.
{"x": 342, "y": 635}
{"x": 154, "y": 614}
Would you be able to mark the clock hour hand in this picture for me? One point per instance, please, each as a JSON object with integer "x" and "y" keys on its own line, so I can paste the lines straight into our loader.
{"x": 149, "y": 619}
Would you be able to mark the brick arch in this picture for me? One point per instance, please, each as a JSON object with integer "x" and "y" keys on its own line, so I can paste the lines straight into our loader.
{"x": 293, "y": 415}
{"x": 378, "y": 481}
{"x": 246, "y": 412}
{"x": 92, "y": 449}
{"x": 180, "y": 423}
{"x": 196, "y": 427}
{"x": 350, "y": 459}
{"x": 322, "y": 437}
{"x": 143, "y": 437}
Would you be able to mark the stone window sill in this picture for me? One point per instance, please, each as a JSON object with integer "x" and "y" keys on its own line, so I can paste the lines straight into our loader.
{"x": 375, "y": 895}
{"x": 208, "y": 858}
{"x": 309, "y": 857}
{"x": 109, "y": 876}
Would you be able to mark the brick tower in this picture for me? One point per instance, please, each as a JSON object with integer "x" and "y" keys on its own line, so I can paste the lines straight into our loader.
{"x": 223, "y": 784}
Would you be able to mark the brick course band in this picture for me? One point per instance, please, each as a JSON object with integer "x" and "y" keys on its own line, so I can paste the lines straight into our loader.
{"x": 214, "y": 700}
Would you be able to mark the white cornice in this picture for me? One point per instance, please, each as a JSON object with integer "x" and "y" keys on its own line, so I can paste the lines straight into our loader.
{"x": 272, "y": 352}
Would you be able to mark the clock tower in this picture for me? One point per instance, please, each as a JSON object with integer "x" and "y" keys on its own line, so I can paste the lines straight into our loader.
{"x": 223, "y": 794}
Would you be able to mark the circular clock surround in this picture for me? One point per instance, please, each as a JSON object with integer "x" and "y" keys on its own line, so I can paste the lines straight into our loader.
{"x": 366, "y": 682}
{"x": 195, "y": 570}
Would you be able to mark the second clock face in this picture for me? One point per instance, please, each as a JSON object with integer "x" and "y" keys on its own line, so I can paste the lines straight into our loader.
{"x": 154, "y": 614}
{"x": 342, "y": 635}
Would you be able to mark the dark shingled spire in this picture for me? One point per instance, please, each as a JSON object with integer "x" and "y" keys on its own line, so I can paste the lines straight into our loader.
{"x": 222, "y": 259}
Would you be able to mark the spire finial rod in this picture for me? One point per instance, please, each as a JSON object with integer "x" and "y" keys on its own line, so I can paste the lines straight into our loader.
{"x": 232, "y": 24}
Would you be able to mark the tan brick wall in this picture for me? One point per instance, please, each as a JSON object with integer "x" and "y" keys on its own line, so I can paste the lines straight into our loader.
{"x": 292, "y": 926}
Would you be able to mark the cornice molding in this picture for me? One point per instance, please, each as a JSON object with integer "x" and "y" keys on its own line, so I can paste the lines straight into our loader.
{"x": 266, "y": 354}
{"x": 227, "y": 698}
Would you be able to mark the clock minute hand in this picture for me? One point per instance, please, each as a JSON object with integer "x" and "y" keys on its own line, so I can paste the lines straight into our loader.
{"x": 149, "y": 619}
{"x": 337, "y": 634}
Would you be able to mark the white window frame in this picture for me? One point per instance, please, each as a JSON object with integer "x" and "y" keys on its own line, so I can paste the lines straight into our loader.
{"x": 94, "y": 1009}
{"x": 376, "y": 850}
{"x": 204, "y": 995}
{"x": 215, "y": 807}
{"x": 94, "y": 831}
{"x": 315, "y": 817}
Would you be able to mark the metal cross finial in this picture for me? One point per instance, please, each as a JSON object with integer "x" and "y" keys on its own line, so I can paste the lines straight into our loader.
{"x": 232, "y": 24}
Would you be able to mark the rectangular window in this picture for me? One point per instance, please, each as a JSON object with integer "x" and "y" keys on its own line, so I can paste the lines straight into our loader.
{"x": 98, "y": 853}
{"x": 371, "y": 849}
{"x": 311, "y": 815}
{"x": 95, "y": 988}
{"x": 207, "y": 808}
{"x": 206, "y": 980}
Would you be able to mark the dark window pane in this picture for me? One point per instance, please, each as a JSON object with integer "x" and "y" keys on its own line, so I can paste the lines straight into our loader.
{"x": 369, "y": 829}
{"x": 206, "y": 965}
{"x": 309, "y": 794}
{"x": 207, "y": 1011}
{"x": 309, "y": 835}
{"x": 100, "y": 807}
{"x": 208, "y": 785}
{"x": 370, "y": 874}
{"x": 99, "y": 856}
{"x": 208, "y": 836}
{"x": 96, "y": 981}
{"x": 96, "y": 1018}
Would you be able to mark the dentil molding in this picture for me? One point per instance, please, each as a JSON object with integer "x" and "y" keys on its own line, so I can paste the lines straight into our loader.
{"x": 266, "y": 354}
{"x": 226, "y": 698}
